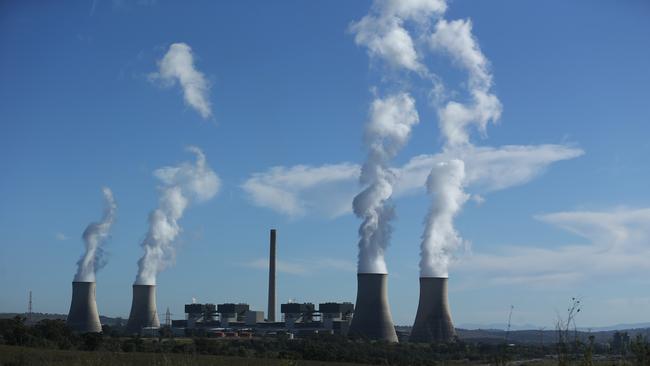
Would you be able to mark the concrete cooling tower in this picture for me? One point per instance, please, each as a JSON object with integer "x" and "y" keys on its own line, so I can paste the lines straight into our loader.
{"x": 372, "y": 318}
{"x": 83, "y": 316}
{"x": 433, "y": 319}
{"x": 143, "y": 309}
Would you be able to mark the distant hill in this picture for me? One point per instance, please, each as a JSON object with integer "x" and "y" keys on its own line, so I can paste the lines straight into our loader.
{"x": 539, "y": 336}
{"x": 617, "y": 327}
{"x": 504, "y": 326}
{"x": 498, "y": 326}
{"x": 546, "y": 337}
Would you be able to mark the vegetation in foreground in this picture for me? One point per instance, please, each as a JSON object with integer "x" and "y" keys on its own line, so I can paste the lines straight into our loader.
{"x": 50, "y": 342}
{"x": 27, "y": 356}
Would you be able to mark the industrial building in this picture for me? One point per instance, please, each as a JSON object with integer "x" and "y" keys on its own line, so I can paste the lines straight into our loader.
{"x": 230, "y": 319}
{"x": 238, "y": 319}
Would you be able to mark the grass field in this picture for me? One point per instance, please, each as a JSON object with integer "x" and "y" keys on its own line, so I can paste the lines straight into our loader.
{"x": 23, "y": 356}
{"x": 27, "y": 356}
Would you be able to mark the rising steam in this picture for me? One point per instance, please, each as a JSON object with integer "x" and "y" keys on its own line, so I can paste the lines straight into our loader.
{"x": 181, "y": 186}
{"x": 445, "y": 184}
{"x": 384, "y": 34}
{"x": 455, "y": 39}
{"x": 394, "y": 31}
{"x": 94, "y": 236}
{"x": 446, "y": 180}
{"x": 387, "y": 130}
{"x": 178, "y": 66}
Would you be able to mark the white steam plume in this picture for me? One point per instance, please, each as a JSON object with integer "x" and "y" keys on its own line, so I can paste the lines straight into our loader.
{"x": 94, "y": 236}
{"x": 384, "y": 34}
{"x": 447, "y": 180}
{"x": 181, "y": 185}
{"x": 455, "y": 38}
{"x": 387, "y": 130}
{"x": 178, "y": 65}
{"x": 440, "y": 239}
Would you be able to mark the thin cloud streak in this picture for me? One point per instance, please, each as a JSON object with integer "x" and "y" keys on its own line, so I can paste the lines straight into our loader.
{"x": 304, "y": 267}
{"x": 617, "y": 246}
{"x": 328, "y": 190}
{"x": 301, "y": 189}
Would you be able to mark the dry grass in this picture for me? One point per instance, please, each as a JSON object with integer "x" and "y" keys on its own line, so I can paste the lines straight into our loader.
{"x": 23, "y": 356}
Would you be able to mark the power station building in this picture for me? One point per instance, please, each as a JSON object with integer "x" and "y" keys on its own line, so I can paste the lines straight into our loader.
{"x": 229, "y": 319}
{"x": 298, "y": 319}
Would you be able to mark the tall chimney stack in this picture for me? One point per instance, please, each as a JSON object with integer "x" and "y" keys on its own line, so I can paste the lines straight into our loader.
{"x": 83, "y": 316}
{"x": 433, "y": 320}
{"x": 372, "y": 319}
{"x": 271, "y": 310}
{"x": 143, "y": 309}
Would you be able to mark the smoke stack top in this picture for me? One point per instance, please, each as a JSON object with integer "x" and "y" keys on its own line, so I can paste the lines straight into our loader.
{"x": 181, "y": 185}
{"x": 94, "y": 237}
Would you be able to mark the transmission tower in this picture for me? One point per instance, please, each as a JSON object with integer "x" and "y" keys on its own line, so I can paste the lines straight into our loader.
{"x": 168, "y": 318}
{"x": 29, "y": 307}
{"x": 512, "y": 307}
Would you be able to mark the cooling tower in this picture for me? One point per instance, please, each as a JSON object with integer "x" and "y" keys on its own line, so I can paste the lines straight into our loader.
{"x": 433, "y": 319}
{"x": 83, "y": 316}
{"x": 372, "y": 319}
{"x": 143, "y": 309}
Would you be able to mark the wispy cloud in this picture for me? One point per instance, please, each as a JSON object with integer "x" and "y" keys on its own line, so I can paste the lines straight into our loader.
{"x": 60, "y": 236}
{"x": 631, "y": 304}
{"x": 328, "y": 190}
{"x": 178, "y": 66}
{"x": 488, "y": 169}
{"x": 304, "y": 266}
{"x": 124, "y": 4}
{"x": 93, "y": 6}
{"x": 617, "y": 246}
{"x": 281, "y": 266}
{"x": 301, "y": 189}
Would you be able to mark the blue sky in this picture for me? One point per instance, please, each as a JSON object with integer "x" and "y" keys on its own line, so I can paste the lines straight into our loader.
{"x": 289, "y": 86}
